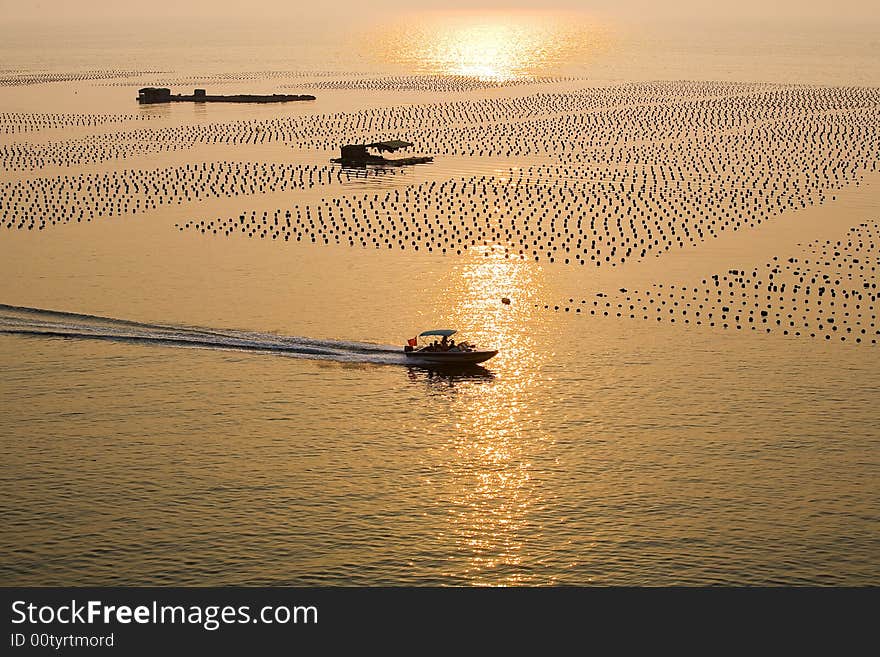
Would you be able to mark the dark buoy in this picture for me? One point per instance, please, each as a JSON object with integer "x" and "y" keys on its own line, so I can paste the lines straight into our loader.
{"x": 505, "y": 301}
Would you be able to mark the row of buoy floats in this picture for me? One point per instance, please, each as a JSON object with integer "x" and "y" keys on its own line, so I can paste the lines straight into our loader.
{"x": 710, "y": 127}
{"x": 18, "y": 122}
{"x": 829, "y": 292}
{"x": 225, "y": 78}
{"x": 532, "y": 213}
{"x": 435, "y": 83}
{"x": 39, "y": 203}
{"x": 22, "y": 78}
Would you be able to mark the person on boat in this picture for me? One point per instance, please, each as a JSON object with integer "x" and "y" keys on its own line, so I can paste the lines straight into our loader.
{"x": 444, "y": 344}
{"x": 452, "y": 346}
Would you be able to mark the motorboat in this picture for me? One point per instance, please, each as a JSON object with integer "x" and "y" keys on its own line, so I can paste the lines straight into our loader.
{"x": 444, "y": 352}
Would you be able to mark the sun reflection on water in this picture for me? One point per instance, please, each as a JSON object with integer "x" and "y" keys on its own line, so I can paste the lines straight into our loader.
{"x": 491, "y": 487}
{"x": 493, "y": 46}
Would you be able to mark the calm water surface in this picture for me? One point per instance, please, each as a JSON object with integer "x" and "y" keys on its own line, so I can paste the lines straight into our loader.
{"x": 600, "y": 451}
{"x": 249, "y": 421}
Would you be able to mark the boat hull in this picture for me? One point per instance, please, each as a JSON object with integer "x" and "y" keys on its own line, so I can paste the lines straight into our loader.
{"x": 382, "y": 162}
{"x": 449, "y": 358}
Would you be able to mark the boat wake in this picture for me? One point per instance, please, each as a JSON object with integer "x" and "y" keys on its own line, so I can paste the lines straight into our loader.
{"x": 37, "y": 322}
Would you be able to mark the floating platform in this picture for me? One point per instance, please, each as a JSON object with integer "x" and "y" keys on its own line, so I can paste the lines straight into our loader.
{"x": 154, "y": 95}
{"x": 384, "y": 161}
{"x": 358, "y": 155}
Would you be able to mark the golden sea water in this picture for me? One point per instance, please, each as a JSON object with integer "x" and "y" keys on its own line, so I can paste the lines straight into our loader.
{"x": 252, "y": 422}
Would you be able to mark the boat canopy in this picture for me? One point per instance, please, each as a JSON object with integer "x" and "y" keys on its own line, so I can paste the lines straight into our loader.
{"x": 392, "y": 145}
{"x": 445, "y": 332}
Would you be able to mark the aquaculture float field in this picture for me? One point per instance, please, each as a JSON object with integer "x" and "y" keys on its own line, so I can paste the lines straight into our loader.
{"x": 202, "y": 318}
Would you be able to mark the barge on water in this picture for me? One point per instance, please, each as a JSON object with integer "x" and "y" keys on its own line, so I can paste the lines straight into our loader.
{"x": 359, "y": 155}
{"x": 154, "y": 95}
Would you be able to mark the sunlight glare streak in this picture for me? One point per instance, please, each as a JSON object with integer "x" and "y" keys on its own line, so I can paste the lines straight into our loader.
{"x": 495, "y": 47}
{"x": 494, "y": 494}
